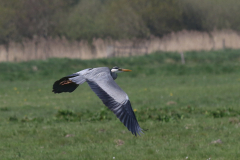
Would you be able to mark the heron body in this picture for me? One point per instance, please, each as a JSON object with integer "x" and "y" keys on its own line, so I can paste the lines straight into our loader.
{"x": 101, "y": 81}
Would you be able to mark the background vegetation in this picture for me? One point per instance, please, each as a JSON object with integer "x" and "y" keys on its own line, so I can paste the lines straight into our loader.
{"x": 191, "y": 111}
{"x": 88, "y": 19}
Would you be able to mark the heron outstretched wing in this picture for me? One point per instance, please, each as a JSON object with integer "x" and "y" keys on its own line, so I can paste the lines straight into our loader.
{"x": 114, "y": 98}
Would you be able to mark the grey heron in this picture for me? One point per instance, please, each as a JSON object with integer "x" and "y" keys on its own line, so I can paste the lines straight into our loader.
{"x": 101, "y": 81}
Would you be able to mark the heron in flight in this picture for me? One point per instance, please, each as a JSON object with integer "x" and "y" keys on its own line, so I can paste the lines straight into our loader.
{"x": 101, "y": 81}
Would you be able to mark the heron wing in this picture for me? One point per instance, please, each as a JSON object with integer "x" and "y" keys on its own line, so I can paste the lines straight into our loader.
{"x": 115, "y": 99}
{"x": 70, "y": 83}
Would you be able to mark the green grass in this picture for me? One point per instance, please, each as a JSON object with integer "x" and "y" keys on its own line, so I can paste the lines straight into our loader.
{"x": 184, "y": 108}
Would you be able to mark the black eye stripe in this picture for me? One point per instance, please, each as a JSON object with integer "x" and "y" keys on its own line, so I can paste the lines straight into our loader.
{"x": 116, "y": 67}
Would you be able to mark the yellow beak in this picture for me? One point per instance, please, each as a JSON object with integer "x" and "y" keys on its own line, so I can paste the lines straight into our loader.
{"x": 126, "y": 70}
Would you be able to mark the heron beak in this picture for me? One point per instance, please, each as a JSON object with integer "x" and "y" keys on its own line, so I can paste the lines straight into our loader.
{"x": 125, "y": 70}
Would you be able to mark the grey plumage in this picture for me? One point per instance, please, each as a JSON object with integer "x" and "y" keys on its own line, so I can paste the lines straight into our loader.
{"x": 101, "y": 81}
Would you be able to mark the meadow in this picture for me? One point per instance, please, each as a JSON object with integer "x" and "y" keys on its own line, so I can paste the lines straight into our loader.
{"x": 190, "y": 111}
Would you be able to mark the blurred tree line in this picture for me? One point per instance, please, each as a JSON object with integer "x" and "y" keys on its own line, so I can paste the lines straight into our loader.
{"x": 118, "y": 19}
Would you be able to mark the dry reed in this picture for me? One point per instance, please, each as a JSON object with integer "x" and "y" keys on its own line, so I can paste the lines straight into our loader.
{"x": 40, "y": 48}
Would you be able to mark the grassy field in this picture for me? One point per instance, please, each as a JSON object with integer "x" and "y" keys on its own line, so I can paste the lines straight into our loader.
{"x": 186, "y": 109}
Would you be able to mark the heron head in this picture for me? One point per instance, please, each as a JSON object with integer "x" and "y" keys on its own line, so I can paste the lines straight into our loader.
{"x": 116, "y": 69}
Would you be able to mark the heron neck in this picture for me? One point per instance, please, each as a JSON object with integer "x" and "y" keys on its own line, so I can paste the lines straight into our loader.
{"x": 114, "y": 75}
